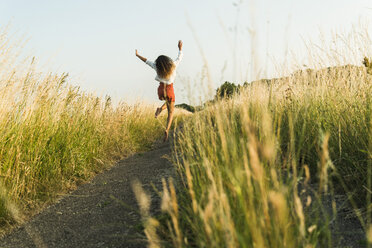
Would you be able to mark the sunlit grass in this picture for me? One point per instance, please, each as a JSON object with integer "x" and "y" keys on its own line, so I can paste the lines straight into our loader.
{"x": 246, "y": 162}
{"x": 254, "y": 168}
{"x": 53, "y": 135}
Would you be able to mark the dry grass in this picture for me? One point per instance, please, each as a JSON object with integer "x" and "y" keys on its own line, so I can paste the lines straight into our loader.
{"x": 249, "y": 165}
{"x": 53, "y": 135}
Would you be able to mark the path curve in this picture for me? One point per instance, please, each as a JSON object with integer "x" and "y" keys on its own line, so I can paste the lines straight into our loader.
{"x": 101, "y": 213}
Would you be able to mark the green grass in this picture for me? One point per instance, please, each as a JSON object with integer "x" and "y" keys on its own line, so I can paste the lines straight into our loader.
{"x": 254, "y": 167}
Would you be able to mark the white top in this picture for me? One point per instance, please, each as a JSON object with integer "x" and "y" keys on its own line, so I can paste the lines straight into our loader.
{"x": 172, "y": 77}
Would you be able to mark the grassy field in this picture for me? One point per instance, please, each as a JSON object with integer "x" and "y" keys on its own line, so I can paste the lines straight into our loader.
{"x": 255, "y": 167}
{"x": 53, "y": 135}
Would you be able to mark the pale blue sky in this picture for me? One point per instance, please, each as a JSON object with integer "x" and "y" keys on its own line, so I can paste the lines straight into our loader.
{"x": 94, "y": 40}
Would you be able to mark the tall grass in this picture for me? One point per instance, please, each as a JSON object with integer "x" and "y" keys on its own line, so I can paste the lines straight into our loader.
{"x": 256, "y": 167}
{"x": 53, "y": 135}
{"x": 247, "y": 162}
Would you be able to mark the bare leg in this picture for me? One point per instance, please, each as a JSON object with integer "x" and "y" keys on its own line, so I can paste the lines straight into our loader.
{"x": 170, "y": 107}
{"x": 158, "y": 110}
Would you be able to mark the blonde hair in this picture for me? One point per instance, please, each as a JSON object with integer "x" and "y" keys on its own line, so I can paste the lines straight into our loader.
{"x": 164, "y": 66}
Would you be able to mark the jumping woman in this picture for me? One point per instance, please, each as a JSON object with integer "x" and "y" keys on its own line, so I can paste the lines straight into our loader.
{"x": 165, "y": 69}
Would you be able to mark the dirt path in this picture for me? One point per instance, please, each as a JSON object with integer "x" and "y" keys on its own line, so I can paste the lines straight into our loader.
{"x": 102, "y": 213}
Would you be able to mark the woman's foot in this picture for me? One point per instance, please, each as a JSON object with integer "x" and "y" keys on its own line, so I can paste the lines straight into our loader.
{"x": 158, "y": 111}
{"x": 165, "y": 136}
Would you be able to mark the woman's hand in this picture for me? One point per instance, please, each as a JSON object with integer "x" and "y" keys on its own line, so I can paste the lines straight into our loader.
{"x": 140, "y": 57}
{"x": 180, "y": 45}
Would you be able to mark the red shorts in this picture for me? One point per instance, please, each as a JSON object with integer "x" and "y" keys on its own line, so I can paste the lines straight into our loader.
{"x": 166, "y": 92}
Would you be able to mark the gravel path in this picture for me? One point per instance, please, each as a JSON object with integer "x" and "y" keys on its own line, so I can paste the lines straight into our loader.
{"x": 102, "y": 213}
{"x": 346, "y": 229}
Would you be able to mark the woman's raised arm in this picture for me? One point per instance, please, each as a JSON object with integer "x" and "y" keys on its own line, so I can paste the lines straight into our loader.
{"x": 140, "y": 57}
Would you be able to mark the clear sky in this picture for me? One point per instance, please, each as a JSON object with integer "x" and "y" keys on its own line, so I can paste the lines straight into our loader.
{"x": 95, "y": 40}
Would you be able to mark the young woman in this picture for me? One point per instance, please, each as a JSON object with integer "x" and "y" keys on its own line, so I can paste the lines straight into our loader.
{"x": 165, "y": 69}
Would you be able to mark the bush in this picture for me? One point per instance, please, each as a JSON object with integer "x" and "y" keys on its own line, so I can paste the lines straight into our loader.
{"x": 367, "y": 63}
{"x": 186, "y": 107}
{"x": 227, "y": 90}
